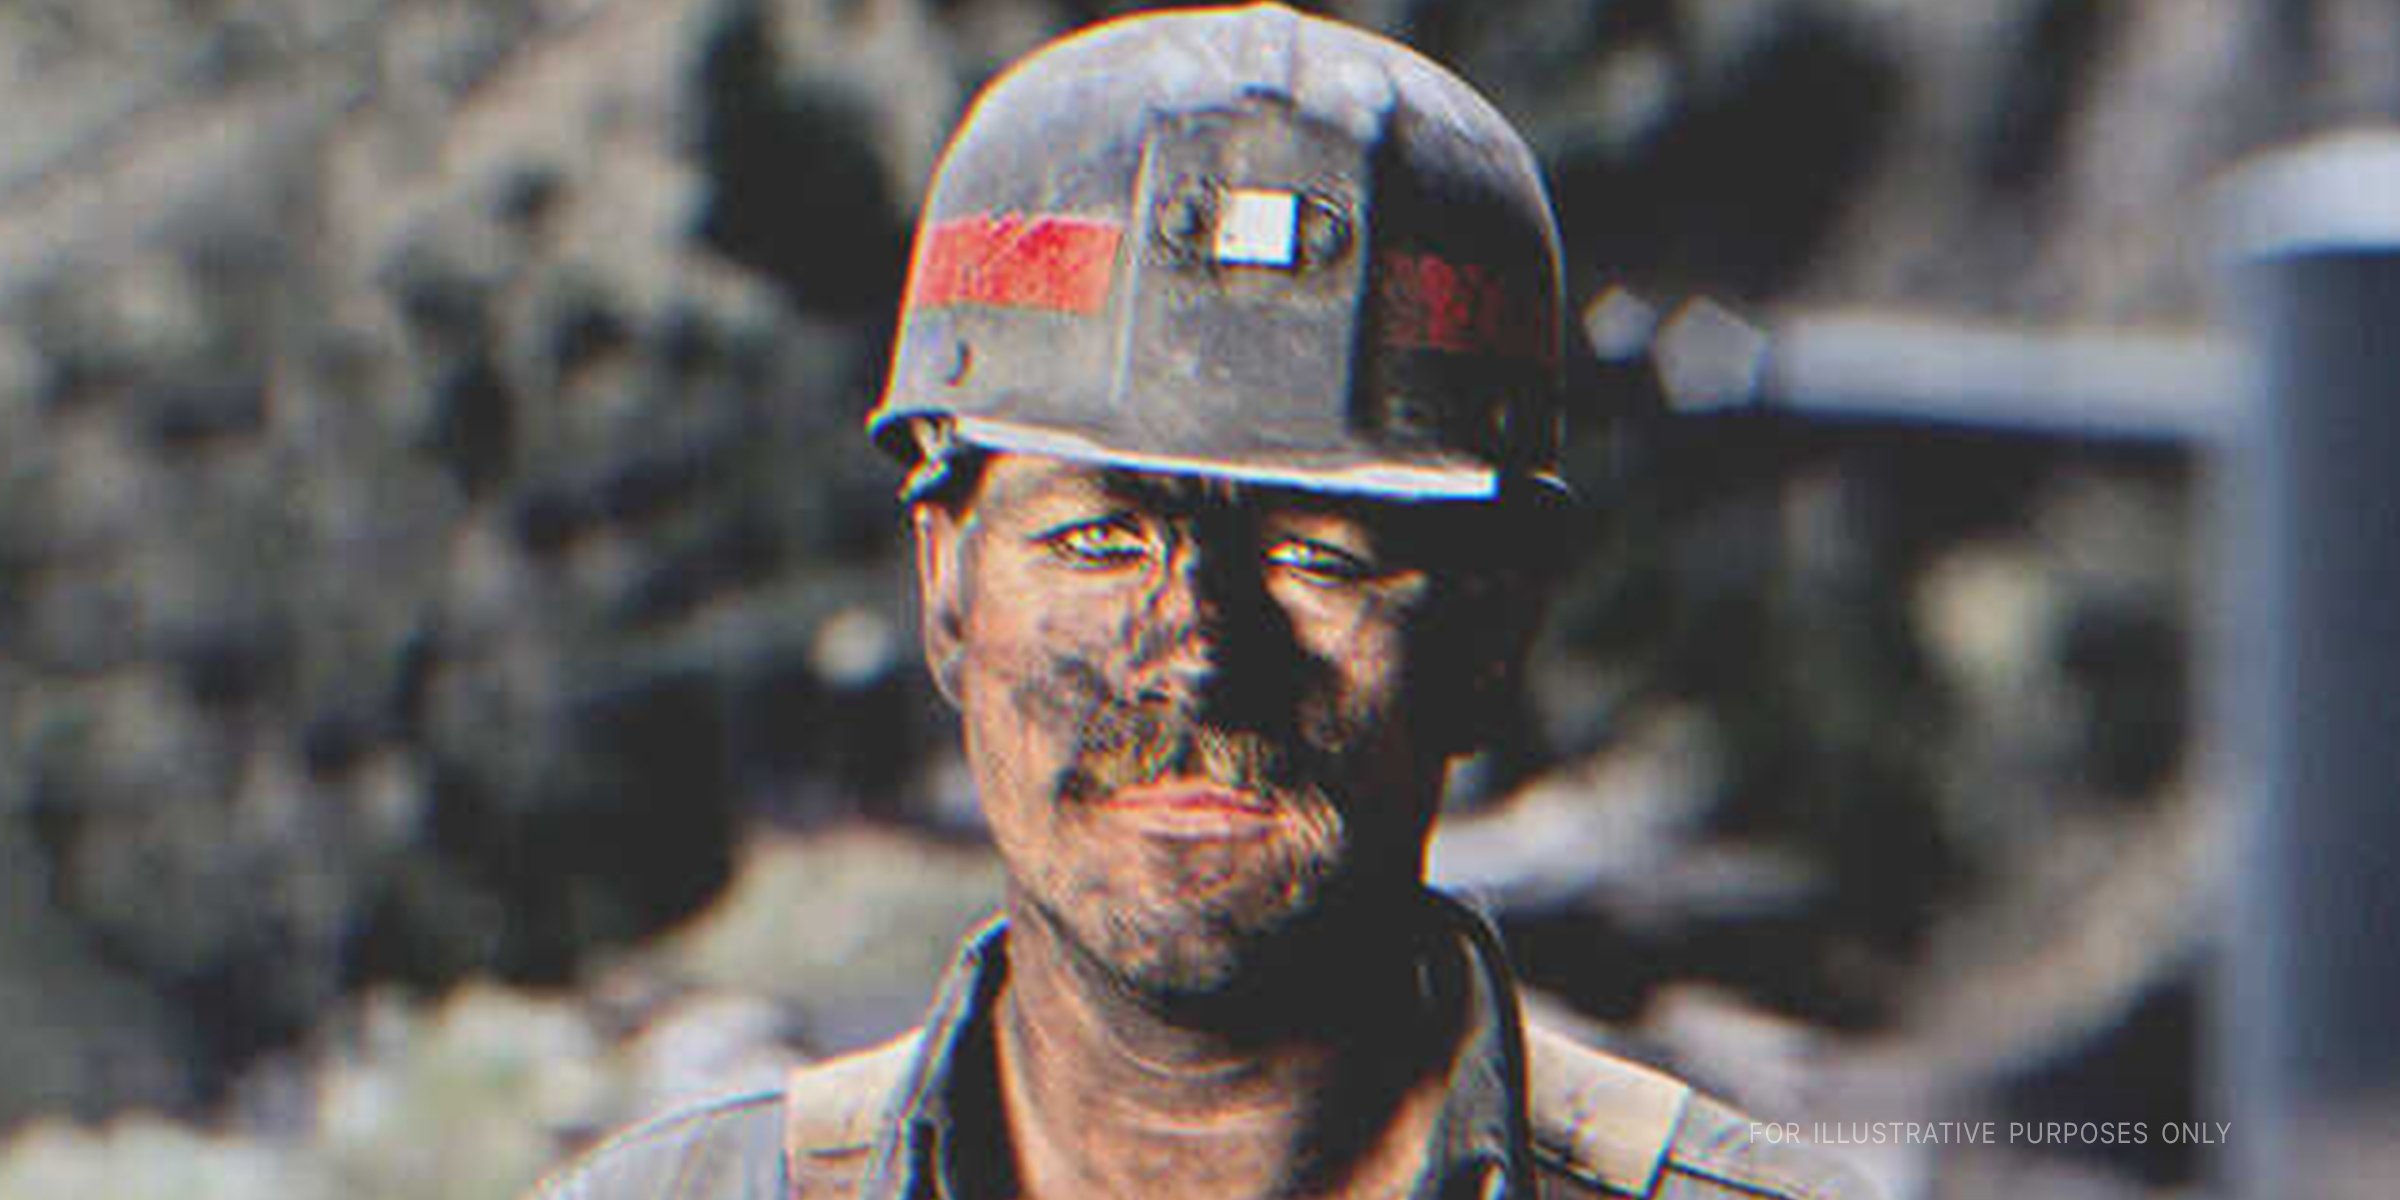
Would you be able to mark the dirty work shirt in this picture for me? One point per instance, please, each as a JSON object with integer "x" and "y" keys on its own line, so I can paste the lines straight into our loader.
{"x": 1530, "y": 1114}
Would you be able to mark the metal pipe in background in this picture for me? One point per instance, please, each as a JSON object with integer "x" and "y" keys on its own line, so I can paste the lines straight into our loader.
{"x": 1871, "y": 366}
{"x": 2308, "y": 676}
{"x": 2300, "y": 414}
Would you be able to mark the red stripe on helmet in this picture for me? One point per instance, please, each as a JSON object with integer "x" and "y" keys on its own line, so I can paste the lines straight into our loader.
{"x": 1062, "y": 264}
{"x": 1431, "y": 303}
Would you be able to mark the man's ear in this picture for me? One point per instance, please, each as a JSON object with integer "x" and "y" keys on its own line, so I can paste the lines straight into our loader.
{"x": 941, "y": 592}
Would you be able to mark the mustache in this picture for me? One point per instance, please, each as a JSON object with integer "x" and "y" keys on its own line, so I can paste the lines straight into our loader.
{"x": 1119, "y": 747}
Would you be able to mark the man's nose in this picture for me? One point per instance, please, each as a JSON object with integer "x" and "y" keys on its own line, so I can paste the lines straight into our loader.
{"x": 1212, "y": 628}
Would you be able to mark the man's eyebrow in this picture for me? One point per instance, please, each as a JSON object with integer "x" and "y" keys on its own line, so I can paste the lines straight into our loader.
{"x": 1397, "y": 525}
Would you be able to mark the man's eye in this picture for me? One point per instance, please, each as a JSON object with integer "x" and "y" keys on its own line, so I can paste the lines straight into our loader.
{"x": 1318, "y": 560}
{"x": 1098, "y": 543}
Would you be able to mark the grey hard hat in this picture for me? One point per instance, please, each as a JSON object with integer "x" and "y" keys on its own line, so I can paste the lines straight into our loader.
{"x": 1244, "y": 243}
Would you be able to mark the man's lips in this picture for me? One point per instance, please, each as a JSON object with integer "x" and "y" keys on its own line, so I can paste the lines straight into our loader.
{"x": 1193, "y": 808}
{"x": 1192, "y": 794}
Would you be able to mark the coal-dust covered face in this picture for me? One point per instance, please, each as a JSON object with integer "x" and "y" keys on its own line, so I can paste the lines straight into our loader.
{"x": 1206, "y": 722}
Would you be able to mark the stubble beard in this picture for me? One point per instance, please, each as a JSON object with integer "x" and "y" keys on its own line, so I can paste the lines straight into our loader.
{"x": 1184, "y": 925}
{"x": 1166, "y": 953}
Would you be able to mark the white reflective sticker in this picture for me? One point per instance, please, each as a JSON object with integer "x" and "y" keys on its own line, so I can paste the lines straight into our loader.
{"x": 1258, "y": 227}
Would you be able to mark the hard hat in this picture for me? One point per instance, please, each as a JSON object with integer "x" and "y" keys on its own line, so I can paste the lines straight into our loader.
{"x": 1243, "y": 243}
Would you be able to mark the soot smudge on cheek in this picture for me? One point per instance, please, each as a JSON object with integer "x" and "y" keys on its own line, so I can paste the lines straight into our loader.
{"x": 1061, "y": 672}
{"x": 1061, "y": 690}
{"x": 1068, "y": 698}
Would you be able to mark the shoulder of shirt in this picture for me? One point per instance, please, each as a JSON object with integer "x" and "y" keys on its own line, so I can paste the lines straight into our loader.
{"x": 825, "y": 1114}
{"x": 836, "y": 1107}
{"x": 1630, "y": 1130}
{"x": 707, "y": 1150}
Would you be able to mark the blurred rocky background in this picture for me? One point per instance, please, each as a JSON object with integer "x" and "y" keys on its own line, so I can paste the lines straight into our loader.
{"x": 456, "y": 679}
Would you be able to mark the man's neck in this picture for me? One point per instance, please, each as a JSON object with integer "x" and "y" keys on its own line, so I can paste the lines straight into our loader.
{"x": 1109, "y": 1095}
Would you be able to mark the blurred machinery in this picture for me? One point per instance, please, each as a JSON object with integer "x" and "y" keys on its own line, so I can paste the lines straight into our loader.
{"x": 2296, "y": 411}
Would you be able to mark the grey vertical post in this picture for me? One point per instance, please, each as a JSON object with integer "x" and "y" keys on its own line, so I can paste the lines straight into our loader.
{"x": 2308, "y": 702}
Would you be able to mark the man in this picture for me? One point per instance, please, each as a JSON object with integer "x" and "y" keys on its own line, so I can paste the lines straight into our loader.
{"x": 1228, "y": 378}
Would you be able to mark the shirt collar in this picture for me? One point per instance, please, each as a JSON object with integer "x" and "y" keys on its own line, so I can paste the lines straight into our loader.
{"x": 942, "y": 1136}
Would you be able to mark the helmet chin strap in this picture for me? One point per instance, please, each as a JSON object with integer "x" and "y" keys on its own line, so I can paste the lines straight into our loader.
{"x": 937, "y": 451}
